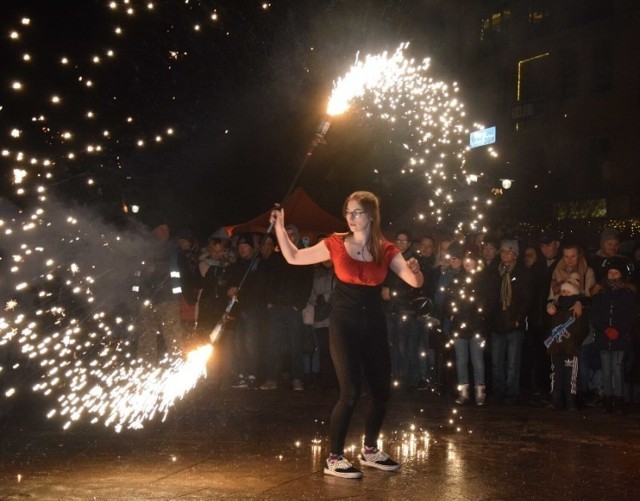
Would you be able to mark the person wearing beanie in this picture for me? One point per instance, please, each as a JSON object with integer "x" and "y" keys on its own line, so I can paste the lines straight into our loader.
{"x": 571, "y": 287}
{"x": 565, "y": 351}
{"x": 509, "y": 296}
{"x": 608, "y": 248}
{"x": 609, "y": 242}
{"x": 510, "y": 245}
{"x": 613, "y": 314}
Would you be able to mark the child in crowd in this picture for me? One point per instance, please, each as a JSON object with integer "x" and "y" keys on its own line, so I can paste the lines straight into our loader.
{"x": 612, "y": 315}
{"x": 568, "y": 331}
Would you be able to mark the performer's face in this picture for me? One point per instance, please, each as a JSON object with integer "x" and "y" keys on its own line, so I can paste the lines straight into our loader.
{"x": 357, "y": 218}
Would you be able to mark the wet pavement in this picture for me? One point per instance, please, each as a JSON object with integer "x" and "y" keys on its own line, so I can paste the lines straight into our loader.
{"x": 244, "y": 444}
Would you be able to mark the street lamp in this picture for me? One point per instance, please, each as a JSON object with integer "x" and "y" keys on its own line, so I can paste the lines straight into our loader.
{"x": 506, "y": 183}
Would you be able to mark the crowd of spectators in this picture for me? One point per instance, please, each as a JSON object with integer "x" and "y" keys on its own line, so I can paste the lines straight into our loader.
{"x": 497, "y": 321}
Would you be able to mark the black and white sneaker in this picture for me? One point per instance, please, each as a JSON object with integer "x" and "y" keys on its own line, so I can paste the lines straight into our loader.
{"x": 340, "y": 467}
{"x": 378, "y": 459}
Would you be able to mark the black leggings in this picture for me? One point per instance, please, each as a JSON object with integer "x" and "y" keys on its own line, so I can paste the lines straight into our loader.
{"x": 359, "y": 345}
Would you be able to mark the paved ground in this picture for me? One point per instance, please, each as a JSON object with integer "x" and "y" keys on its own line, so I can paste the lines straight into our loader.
{"x": 241, "y": 444}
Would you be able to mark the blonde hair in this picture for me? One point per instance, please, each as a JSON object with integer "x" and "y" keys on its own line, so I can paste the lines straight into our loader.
{"x": 371, "y": 206}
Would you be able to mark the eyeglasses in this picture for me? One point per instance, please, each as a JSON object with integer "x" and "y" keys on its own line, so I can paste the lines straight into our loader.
{"x": 355, "y": 214}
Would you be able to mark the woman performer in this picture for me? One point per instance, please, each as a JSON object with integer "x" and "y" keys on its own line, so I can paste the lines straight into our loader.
{"x": 357, "y": 326}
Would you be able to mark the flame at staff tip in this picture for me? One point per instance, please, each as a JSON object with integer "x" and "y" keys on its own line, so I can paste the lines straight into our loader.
{"x": 374, "y": 72}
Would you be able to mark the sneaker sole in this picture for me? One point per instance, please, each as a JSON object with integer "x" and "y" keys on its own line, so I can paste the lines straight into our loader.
{"x": 352, "y": 474}
{"x": 383, "y": 467}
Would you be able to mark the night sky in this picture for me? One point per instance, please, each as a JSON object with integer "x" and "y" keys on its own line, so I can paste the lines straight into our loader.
{"x": 242, "y": 84}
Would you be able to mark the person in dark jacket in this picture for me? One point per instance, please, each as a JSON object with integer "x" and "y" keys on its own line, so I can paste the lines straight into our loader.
{"x": 613, "y": 312}
{"x": 509, "y": 296}
{"x": 248, "y": 311}
{"x": 540, "y": 322}
{"x": 402, "y": 320}
{"x": 287, "y": 291}
{"x": 213, "y": 284}
{"x": 464, "y": 307}
{"x": 158, "y": 286}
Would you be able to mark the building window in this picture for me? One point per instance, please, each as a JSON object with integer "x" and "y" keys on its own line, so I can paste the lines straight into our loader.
{"x": 533, "y": 78}
{"x": 602, "y": 69}
{"x": 495, "y": 27}
{"x": 539, "y": 17}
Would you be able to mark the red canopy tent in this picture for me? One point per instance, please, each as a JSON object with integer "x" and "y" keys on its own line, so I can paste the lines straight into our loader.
{"x": 300, "y": 210}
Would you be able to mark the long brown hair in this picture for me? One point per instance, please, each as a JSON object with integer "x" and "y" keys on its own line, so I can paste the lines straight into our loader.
{"x": 371, "y": 206}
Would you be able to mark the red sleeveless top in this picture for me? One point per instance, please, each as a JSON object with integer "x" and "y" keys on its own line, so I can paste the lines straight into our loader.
{"x": 352, "y": 271}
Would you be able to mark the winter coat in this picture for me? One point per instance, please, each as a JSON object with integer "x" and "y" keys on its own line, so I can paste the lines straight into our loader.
{"x": 253, "y": 292}
{"x": 287, "y": 284}
{"x": 614, "y": 307}
{"x": 463, "y": 305}
{"x": 401, "y": 293}
{"x": 514, "y": 317}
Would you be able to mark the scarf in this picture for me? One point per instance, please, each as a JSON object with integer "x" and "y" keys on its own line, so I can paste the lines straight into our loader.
{"x": 505, "y": 287}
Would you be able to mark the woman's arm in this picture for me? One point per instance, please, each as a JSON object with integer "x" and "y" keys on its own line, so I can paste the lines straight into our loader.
{"x": 408, "y": 270}
{"x": 291, "y": 253}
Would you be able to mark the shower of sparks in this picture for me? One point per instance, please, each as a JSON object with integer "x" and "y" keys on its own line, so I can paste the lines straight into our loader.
{"x": 400, "y": 91}
{"x": 68, "y": 322}
{"x": 128, "y": 396}
{"x": 59, "y": 324}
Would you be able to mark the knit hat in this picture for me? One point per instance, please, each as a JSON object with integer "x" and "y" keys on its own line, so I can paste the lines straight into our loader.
{"x": 620, "y": 263}
{"x": 571, "y": 284}
{"x": 245, "y": 238}
{"x": 608, "y": 234}
{"x": 510, "y": 245}
{"x": 220, "y": 233}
